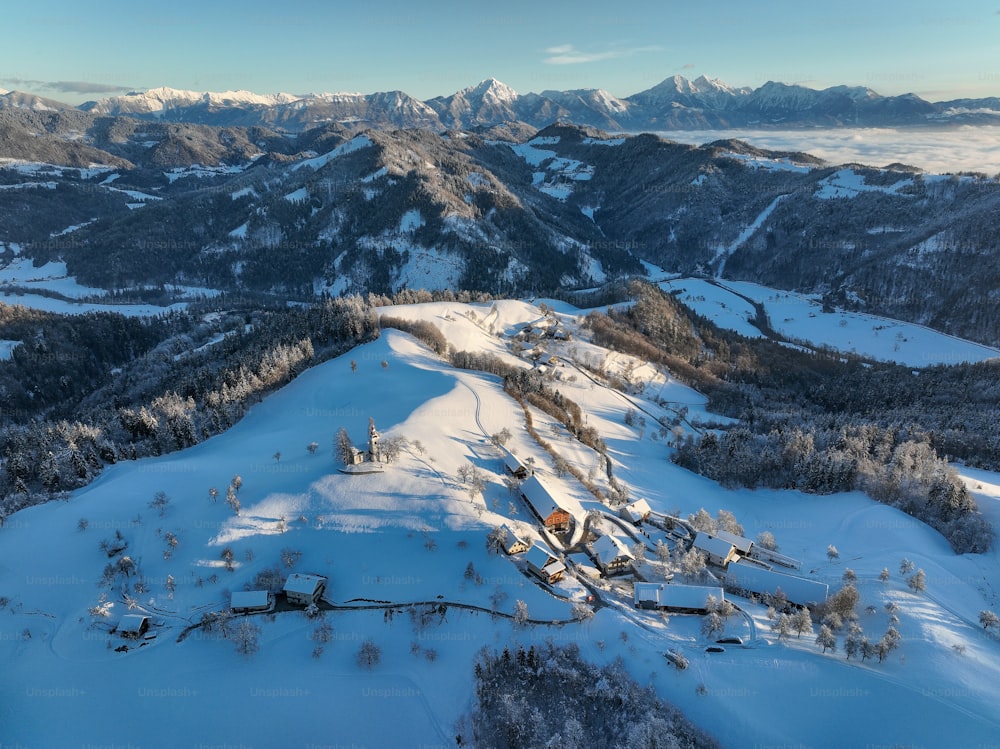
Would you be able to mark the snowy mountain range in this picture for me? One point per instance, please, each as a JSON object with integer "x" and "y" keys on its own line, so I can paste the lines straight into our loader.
{"x": 499, "y": 211}
{"x": 675, "y": 103}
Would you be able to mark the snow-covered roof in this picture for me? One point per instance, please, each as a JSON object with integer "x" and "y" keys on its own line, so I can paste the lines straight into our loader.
{"x": 676, "y": 596}
{"x": 249, "y": 599}
{"x": 713, "y": 545}
{"x": 750, "y": 576}
{"x": 742, "y": 544}
{"x": 538, "y": 496}
{"x": 538, "y": 556}
{"x": 638, "y": 510}
{"x": 512, "y": 537}
{"x": 512, "y": 462}
{"x": 131, "y": 622}
{"x": 609, "y": 547}
{"x": 554, "y": 567}
{"x": 302, "y": 583}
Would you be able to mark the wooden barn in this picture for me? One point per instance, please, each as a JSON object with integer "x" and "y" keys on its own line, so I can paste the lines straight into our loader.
{"x": 540, "y": 500}
{"x": 304, "y": 589}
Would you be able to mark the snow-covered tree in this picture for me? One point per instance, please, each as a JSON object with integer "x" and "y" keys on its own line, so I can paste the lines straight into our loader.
{"x": 765, "y": 540}
{"x": 826, "y": 639}
{"x": 246, "y": 635}
{"x": 520, "y": 613}
{"x": 917, "y": 581}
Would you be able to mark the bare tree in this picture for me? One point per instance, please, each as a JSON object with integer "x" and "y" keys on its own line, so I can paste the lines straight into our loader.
{"x": 369, "y": 654}
{"x": 159, "y": 503}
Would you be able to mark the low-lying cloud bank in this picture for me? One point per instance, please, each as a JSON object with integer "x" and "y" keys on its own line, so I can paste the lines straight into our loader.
{"x": 939, "y": 151}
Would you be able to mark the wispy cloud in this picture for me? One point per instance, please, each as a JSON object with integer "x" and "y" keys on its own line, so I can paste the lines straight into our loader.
{"x": 567, "y": 54}
{"x": 66, "y": 87}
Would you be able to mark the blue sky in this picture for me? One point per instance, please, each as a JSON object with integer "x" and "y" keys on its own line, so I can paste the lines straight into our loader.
{"x": 75, "y": 51}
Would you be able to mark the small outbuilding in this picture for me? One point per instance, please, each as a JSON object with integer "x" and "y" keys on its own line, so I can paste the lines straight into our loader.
{"x": 133, "y": 626}
{"x": 303, "y": 589}
{"x": 514, "y": 467}
{"x": 250, "y": 601}
{"x": 636, "y": 512}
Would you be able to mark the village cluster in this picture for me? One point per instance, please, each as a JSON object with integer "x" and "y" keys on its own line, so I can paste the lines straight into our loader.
{"x": 733, "y": 563}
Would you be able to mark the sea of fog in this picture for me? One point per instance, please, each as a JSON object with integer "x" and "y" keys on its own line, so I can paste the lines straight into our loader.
{"x": 938, "y": 151}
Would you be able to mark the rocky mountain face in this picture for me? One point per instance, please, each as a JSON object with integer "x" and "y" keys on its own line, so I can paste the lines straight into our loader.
{"x": 505, "y": 210}
{"x": 675, "y": 103}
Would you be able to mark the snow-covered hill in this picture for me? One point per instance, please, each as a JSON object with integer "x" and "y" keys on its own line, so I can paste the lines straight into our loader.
{"x": 404, "y": 552}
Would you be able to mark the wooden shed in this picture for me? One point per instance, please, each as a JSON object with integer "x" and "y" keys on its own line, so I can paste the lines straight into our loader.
{"x": 133, "y": 626}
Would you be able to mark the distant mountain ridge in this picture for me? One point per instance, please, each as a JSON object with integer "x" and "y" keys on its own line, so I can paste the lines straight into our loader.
{"x": 675, "y": 103}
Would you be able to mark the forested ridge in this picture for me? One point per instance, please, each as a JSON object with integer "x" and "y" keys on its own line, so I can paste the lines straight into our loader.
{"x": 83, "y": 392}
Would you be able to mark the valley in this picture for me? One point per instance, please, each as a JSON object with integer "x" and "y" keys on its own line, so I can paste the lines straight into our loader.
{"x": 411, "y": 542}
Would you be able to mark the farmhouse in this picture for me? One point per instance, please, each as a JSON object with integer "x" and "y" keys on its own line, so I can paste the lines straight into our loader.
{"x": 250, "y": 601}
{"x": 613, "y": 554}
{"x": 540, "y": 500}
{"x": 681, "y": 599}
{"x": 513, "y": 544}
{"x": 304, "y": 589}
{"x": 748, "y": 576}
{"x": 637, "y": 512}
{"x": 133, "y": 626}
{"x": 543, "y": 565}
{"x": 719, "y": 552}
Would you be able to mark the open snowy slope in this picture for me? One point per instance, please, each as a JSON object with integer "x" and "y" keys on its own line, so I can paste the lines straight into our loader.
{"x": 802, "y": 319}
{"x": 409, "y": 534}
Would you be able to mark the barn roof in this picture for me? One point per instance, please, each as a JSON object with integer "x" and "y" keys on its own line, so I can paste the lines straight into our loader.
{"x": 713, "y": 545}
{"x": 249, "y": 599}
{"x": 760, "y": 579}
{"x": 538, "y": 496}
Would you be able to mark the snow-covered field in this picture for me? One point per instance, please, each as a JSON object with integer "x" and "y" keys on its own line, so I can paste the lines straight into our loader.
{"x": 801, "y": 318}
{"x": 408, "y": 534}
